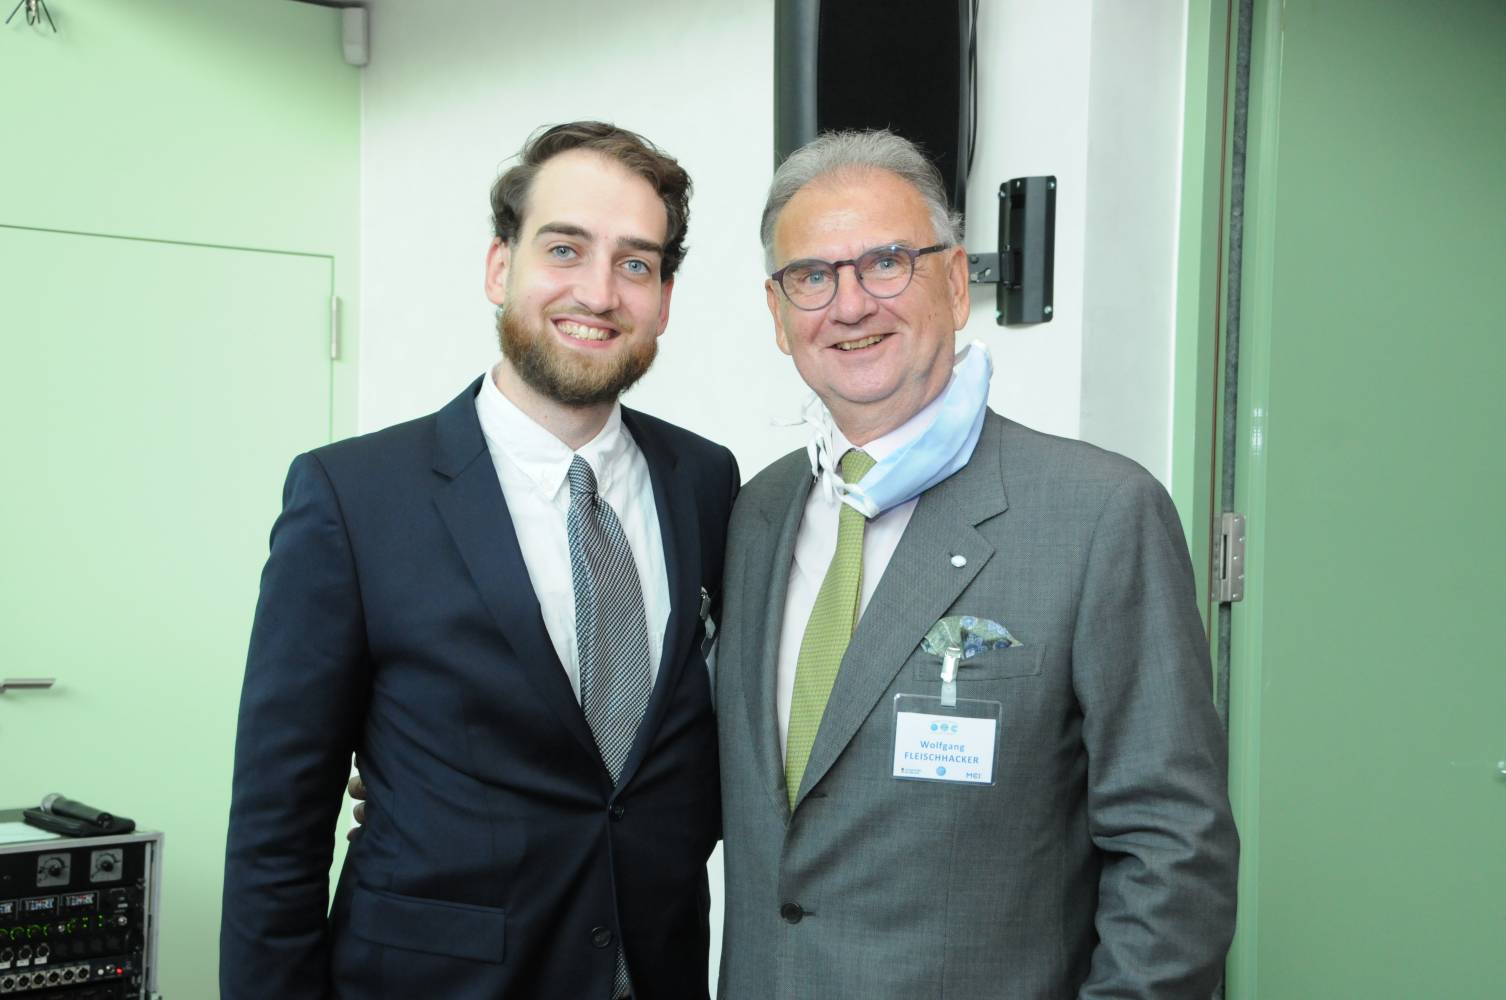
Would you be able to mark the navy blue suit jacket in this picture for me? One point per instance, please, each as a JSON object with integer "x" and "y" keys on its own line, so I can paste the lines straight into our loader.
{"x": 396, "y": 620}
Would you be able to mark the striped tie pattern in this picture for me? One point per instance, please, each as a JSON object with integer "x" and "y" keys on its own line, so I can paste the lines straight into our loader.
{"x": 833, "y": 617}
{"x": 611, "y": 633}
{"x": 611, "y": 630}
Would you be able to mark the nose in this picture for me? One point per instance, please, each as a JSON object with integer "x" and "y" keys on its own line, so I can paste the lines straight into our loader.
{"x": 852, "y": 303}
{"x": 596, "y": 286}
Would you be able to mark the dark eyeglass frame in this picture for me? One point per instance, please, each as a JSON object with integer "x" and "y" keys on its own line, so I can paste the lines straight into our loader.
{"x": 836, "y": 271}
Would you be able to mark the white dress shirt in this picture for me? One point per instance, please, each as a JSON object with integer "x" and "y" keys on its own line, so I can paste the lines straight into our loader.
{"x": 533, "y": 466}
{"x": 816, "y": 543}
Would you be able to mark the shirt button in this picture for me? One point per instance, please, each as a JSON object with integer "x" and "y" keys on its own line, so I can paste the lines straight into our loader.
{"x": 601, "y": 937}
{"x": 792, "y": 912}
{"x": 617, "y": 812}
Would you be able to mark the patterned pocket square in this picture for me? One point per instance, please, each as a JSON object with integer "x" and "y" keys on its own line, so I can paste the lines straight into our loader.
{"x": 973, "y": 635}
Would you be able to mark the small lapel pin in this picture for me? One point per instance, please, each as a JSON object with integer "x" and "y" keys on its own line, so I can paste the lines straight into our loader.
{"x": 959, "y": 561}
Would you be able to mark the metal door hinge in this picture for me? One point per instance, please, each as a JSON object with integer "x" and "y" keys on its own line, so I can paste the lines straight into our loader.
{"x": 1229, "y": 560}
{"x": 334, "y": 328}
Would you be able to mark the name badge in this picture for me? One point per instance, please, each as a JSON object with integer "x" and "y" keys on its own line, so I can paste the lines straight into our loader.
{"x": 938, "y": 742}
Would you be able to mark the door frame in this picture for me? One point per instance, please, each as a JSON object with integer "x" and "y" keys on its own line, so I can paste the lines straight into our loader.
{"x": 1208, "y": 197}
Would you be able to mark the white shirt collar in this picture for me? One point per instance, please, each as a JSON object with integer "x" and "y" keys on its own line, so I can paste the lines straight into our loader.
{"x": 538, "y": 454}
{"x": 885, "y": 445}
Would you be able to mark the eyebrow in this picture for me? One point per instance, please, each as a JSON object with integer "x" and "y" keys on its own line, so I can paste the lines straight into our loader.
{"x": 624, "y": 242}
{"x": 907, "y": 244}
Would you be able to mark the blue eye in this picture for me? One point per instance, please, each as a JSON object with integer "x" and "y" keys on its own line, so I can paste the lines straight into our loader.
{"x": 561, "y": 252}
{"x": 808, "y": 277}
{"x": 636, "y": 267}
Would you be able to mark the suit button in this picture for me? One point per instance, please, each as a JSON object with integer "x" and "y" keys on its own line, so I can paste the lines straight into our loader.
{"x": 601, "y": 937}
{"x": 792, "y": 912}
{"x": 617, "y": 812}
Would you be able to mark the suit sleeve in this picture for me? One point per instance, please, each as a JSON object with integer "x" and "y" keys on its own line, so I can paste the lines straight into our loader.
{"x": 1158, "y": 803}
{"x": 302, "y": 702}
{"x": 723, "y": 512}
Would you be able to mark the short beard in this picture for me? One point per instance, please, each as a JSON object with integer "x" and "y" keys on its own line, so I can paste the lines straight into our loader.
{"x": 551, "y": 372}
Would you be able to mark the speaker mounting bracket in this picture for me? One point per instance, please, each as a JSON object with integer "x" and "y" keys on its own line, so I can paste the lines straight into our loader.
{"x": 1024, "y": 266}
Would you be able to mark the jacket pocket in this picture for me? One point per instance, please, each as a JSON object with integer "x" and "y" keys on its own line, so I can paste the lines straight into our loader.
{"x": 459, "y": 930}
{"x": 996, "y": 664}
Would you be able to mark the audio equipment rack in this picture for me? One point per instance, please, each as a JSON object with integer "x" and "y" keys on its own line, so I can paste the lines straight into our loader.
{"x": 78, "y": 915}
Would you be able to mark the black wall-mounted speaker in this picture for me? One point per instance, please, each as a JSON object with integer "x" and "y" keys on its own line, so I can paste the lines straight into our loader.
{"x": 904, "y": 65}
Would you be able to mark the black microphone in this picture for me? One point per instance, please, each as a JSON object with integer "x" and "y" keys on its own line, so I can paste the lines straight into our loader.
{"x": 60, "y": 806}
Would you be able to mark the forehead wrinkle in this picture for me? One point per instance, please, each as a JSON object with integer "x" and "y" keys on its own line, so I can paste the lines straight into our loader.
{"x": 903, "y": 242}
{"x": 850, "y": 199}
{"x": 840, "y": 234}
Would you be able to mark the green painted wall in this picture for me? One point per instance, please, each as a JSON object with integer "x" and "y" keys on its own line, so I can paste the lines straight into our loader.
{"x": 205, "y": 121}
{"x": 177, "y": 126}
{"x": 135, "y": 535}
{"x": 1365, "y": 726}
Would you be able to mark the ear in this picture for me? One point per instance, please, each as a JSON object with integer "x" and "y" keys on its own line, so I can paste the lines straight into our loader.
{"x": 665, "y": 291}
{"x": 958, "y": 283}
{"x": 772, "y": 294}
{"x": 498, "y": 256}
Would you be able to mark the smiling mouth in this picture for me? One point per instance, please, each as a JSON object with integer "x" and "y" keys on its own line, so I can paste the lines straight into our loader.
{"x": 580, "y": 331}
{"x": 858, "y": 345}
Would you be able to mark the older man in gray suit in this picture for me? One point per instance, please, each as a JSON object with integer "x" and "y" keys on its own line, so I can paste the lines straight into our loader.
{"x": 967, "y": 740}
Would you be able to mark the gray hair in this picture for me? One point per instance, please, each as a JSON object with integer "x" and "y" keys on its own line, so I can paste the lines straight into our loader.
{"x": 876, "y": 149}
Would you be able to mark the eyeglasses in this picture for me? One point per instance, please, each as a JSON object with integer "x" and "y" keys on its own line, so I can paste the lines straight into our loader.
{"x": 884, "y": 272}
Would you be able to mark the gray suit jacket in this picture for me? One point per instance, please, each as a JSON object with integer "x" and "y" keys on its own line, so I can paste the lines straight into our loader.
{"x": 1101, "y": 862}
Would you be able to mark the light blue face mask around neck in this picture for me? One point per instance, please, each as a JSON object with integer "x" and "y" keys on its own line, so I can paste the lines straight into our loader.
{"x": 941, "y": 449}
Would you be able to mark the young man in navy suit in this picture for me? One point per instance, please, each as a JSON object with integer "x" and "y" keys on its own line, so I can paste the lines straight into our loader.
{"x": 500, "y": 609}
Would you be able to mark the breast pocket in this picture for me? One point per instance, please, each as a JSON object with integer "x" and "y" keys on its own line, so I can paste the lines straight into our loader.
{"x": 993, "y": 665}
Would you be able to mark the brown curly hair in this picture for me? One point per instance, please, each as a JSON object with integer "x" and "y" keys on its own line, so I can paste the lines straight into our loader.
{"x": 668, "y": 179}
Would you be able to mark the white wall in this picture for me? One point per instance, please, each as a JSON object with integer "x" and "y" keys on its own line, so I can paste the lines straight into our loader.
{"x": 1033, "y": 119}
{"x": 454, "y": 86}
{"x": 1090, "y": 93}
{"x": 1133, "y": 197}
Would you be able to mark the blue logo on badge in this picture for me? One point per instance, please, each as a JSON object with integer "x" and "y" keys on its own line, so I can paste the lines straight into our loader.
{"x": 941, "y": 772}
{"x": 954, "y": 728}
{"x": 933, "y": 727}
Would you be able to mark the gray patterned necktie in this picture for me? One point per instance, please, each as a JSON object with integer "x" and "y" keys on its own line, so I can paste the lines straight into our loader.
{"x": 611, "y": 630}
{"x": 611, "y": 633}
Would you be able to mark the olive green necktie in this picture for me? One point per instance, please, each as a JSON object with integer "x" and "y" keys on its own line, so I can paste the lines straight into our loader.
{"x": 833, "y": 617}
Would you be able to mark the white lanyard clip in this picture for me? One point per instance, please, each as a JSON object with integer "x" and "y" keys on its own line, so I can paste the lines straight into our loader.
{"x": 949, "y": 662}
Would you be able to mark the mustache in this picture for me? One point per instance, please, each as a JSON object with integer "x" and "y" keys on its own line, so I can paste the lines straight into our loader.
{"x": 619, "y": 321}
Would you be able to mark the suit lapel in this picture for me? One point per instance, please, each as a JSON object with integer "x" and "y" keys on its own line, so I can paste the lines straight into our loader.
{"x": 473, "y": 509}
{"x": 766, "y": 585}
{"x": 680, "y": 530}
{"x": 919, "y": 585}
